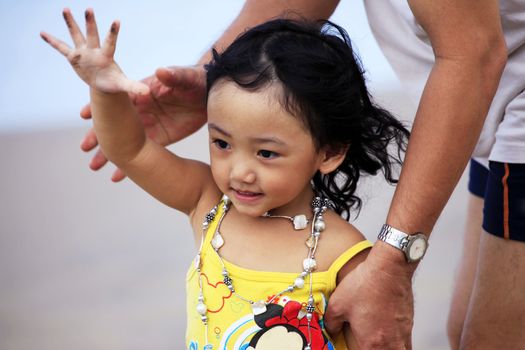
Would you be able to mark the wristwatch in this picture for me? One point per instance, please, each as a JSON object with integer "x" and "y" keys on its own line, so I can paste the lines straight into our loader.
{"x": 413, "y": 246}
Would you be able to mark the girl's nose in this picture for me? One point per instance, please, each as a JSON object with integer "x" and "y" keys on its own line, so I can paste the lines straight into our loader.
{"x": 242, "y": 173}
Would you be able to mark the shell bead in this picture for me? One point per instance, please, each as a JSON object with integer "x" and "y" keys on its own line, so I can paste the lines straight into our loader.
{"x": 217, "y": 241}
{"x": 300, "y": 222}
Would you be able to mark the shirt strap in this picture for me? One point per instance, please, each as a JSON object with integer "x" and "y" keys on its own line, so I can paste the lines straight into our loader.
{"x": 345, "y": 257}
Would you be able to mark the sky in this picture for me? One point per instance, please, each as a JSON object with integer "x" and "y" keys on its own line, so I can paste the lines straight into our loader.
{"x": 39, "y": 90}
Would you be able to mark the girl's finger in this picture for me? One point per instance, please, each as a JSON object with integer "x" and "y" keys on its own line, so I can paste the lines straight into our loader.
{"x": 92, "y": 38}
{"x": 111, "y": 40}
{"x": 74, "y": 30}
{"x": 131, "y": 86}
{"x": 59, "y": 45}
{"x": 137, "y": 87}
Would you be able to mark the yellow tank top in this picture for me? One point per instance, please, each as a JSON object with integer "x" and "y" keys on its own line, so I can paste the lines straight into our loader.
{"x": 231, "y": 322}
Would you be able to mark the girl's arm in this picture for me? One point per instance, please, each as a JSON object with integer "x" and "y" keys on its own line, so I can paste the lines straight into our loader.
{"x": 118, "y": 128}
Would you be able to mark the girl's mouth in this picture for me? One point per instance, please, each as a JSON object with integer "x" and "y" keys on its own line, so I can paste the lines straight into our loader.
{"x": 247, "y": 196}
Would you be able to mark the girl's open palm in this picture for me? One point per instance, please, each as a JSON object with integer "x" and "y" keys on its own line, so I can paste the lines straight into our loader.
{"x": 92, "y": 62}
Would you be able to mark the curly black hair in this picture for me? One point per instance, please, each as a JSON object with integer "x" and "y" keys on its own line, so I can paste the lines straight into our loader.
{"x": 323, "y": 84}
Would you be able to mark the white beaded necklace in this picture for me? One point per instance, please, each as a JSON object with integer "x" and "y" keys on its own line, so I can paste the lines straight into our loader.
{"x": 319, "y": 206}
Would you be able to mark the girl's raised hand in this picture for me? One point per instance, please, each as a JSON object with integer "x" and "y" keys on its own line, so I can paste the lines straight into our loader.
{"x": 94, "y": 63}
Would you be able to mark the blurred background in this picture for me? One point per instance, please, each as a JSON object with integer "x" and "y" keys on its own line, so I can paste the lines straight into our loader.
{"x": 89, "y": 264}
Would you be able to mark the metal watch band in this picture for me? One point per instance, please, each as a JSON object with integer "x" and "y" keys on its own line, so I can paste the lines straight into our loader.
{"x": 393, "y": 236}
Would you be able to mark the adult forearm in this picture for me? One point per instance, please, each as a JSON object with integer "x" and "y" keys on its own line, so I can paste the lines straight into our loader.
{"x": 119, "y": 131}
{"x": 255, "y": 12}
{"x": 448, "y": 122}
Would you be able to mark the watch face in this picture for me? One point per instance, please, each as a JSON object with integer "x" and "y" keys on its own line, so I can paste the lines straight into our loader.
{"x": 417, "y": 248}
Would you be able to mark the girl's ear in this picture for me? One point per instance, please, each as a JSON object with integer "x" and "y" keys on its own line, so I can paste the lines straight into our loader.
{"x": 333, "y": 157}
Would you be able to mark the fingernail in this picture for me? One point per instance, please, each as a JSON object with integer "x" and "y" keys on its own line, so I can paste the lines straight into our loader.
{"x": 66, "y": 17}
{"x": 88, "y": 15}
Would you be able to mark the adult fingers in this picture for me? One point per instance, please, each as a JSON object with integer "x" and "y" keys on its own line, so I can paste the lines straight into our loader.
{"x": 89, "y": 142}
{"x": 92, "y": 38}
{"x": 334, "y": 318}
{"x": 118, "y": 176}
{"x": 98, "y": 161}
{"x": 182, "y": 77}
{"x": 57, "y": 44}
{"x": 72, "y": 26}
{"x": 85, "y": 112}
{"x": 110, "y": 43}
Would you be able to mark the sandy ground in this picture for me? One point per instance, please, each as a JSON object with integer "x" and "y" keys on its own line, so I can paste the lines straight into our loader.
{"x": 87, "y": 264}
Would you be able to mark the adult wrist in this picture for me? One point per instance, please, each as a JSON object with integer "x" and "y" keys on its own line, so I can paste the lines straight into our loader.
{"x": 391, "y": 252}
{"x": 391, "y": 260}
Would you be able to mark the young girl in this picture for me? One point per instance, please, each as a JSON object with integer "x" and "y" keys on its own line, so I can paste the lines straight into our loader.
{"x": 291, "y": 129}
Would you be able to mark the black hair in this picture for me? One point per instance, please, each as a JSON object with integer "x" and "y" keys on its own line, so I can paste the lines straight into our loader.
{"x": 323, "y": 84}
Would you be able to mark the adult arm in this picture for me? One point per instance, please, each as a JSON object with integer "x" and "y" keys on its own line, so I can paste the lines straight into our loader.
{"x": 470, "y": 55}
{"x": 175, "y": 107}
{"x": 255, "y": 12}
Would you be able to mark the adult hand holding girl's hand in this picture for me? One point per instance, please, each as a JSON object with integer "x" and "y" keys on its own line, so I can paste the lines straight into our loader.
{"x": 376, "y": 299}
{"x": 174, "y": 109}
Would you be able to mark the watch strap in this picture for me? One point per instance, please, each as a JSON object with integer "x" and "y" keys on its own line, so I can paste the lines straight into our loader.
{"x": 393, "y": 236}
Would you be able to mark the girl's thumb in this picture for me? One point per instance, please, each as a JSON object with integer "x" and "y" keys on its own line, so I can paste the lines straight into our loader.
{"x": 137, "y": 87}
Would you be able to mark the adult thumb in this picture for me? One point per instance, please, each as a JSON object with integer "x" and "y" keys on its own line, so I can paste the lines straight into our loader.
{"x": 191, "y": 77}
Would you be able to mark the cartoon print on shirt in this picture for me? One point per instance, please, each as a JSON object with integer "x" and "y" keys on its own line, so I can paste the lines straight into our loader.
{"x": 287, "y": 327}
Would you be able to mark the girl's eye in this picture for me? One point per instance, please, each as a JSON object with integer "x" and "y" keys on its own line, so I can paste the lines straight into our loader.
{"x": 221, "y": 144}
{"x": 267, "y": 154}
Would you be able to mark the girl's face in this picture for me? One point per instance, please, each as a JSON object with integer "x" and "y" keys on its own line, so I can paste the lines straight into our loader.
{"x": 261, "y": 156}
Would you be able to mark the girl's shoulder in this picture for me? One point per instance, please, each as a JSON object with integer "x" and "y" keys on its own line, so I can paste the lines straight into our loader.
{"x": 338, "y": 238}
{"x": 210, "y": 197}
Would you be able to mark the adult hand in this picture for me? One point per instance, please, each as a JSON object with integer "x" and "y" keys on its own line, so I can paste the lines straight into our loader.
{"x": 376, "y": 300}
{"x": 174, "y": 108}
